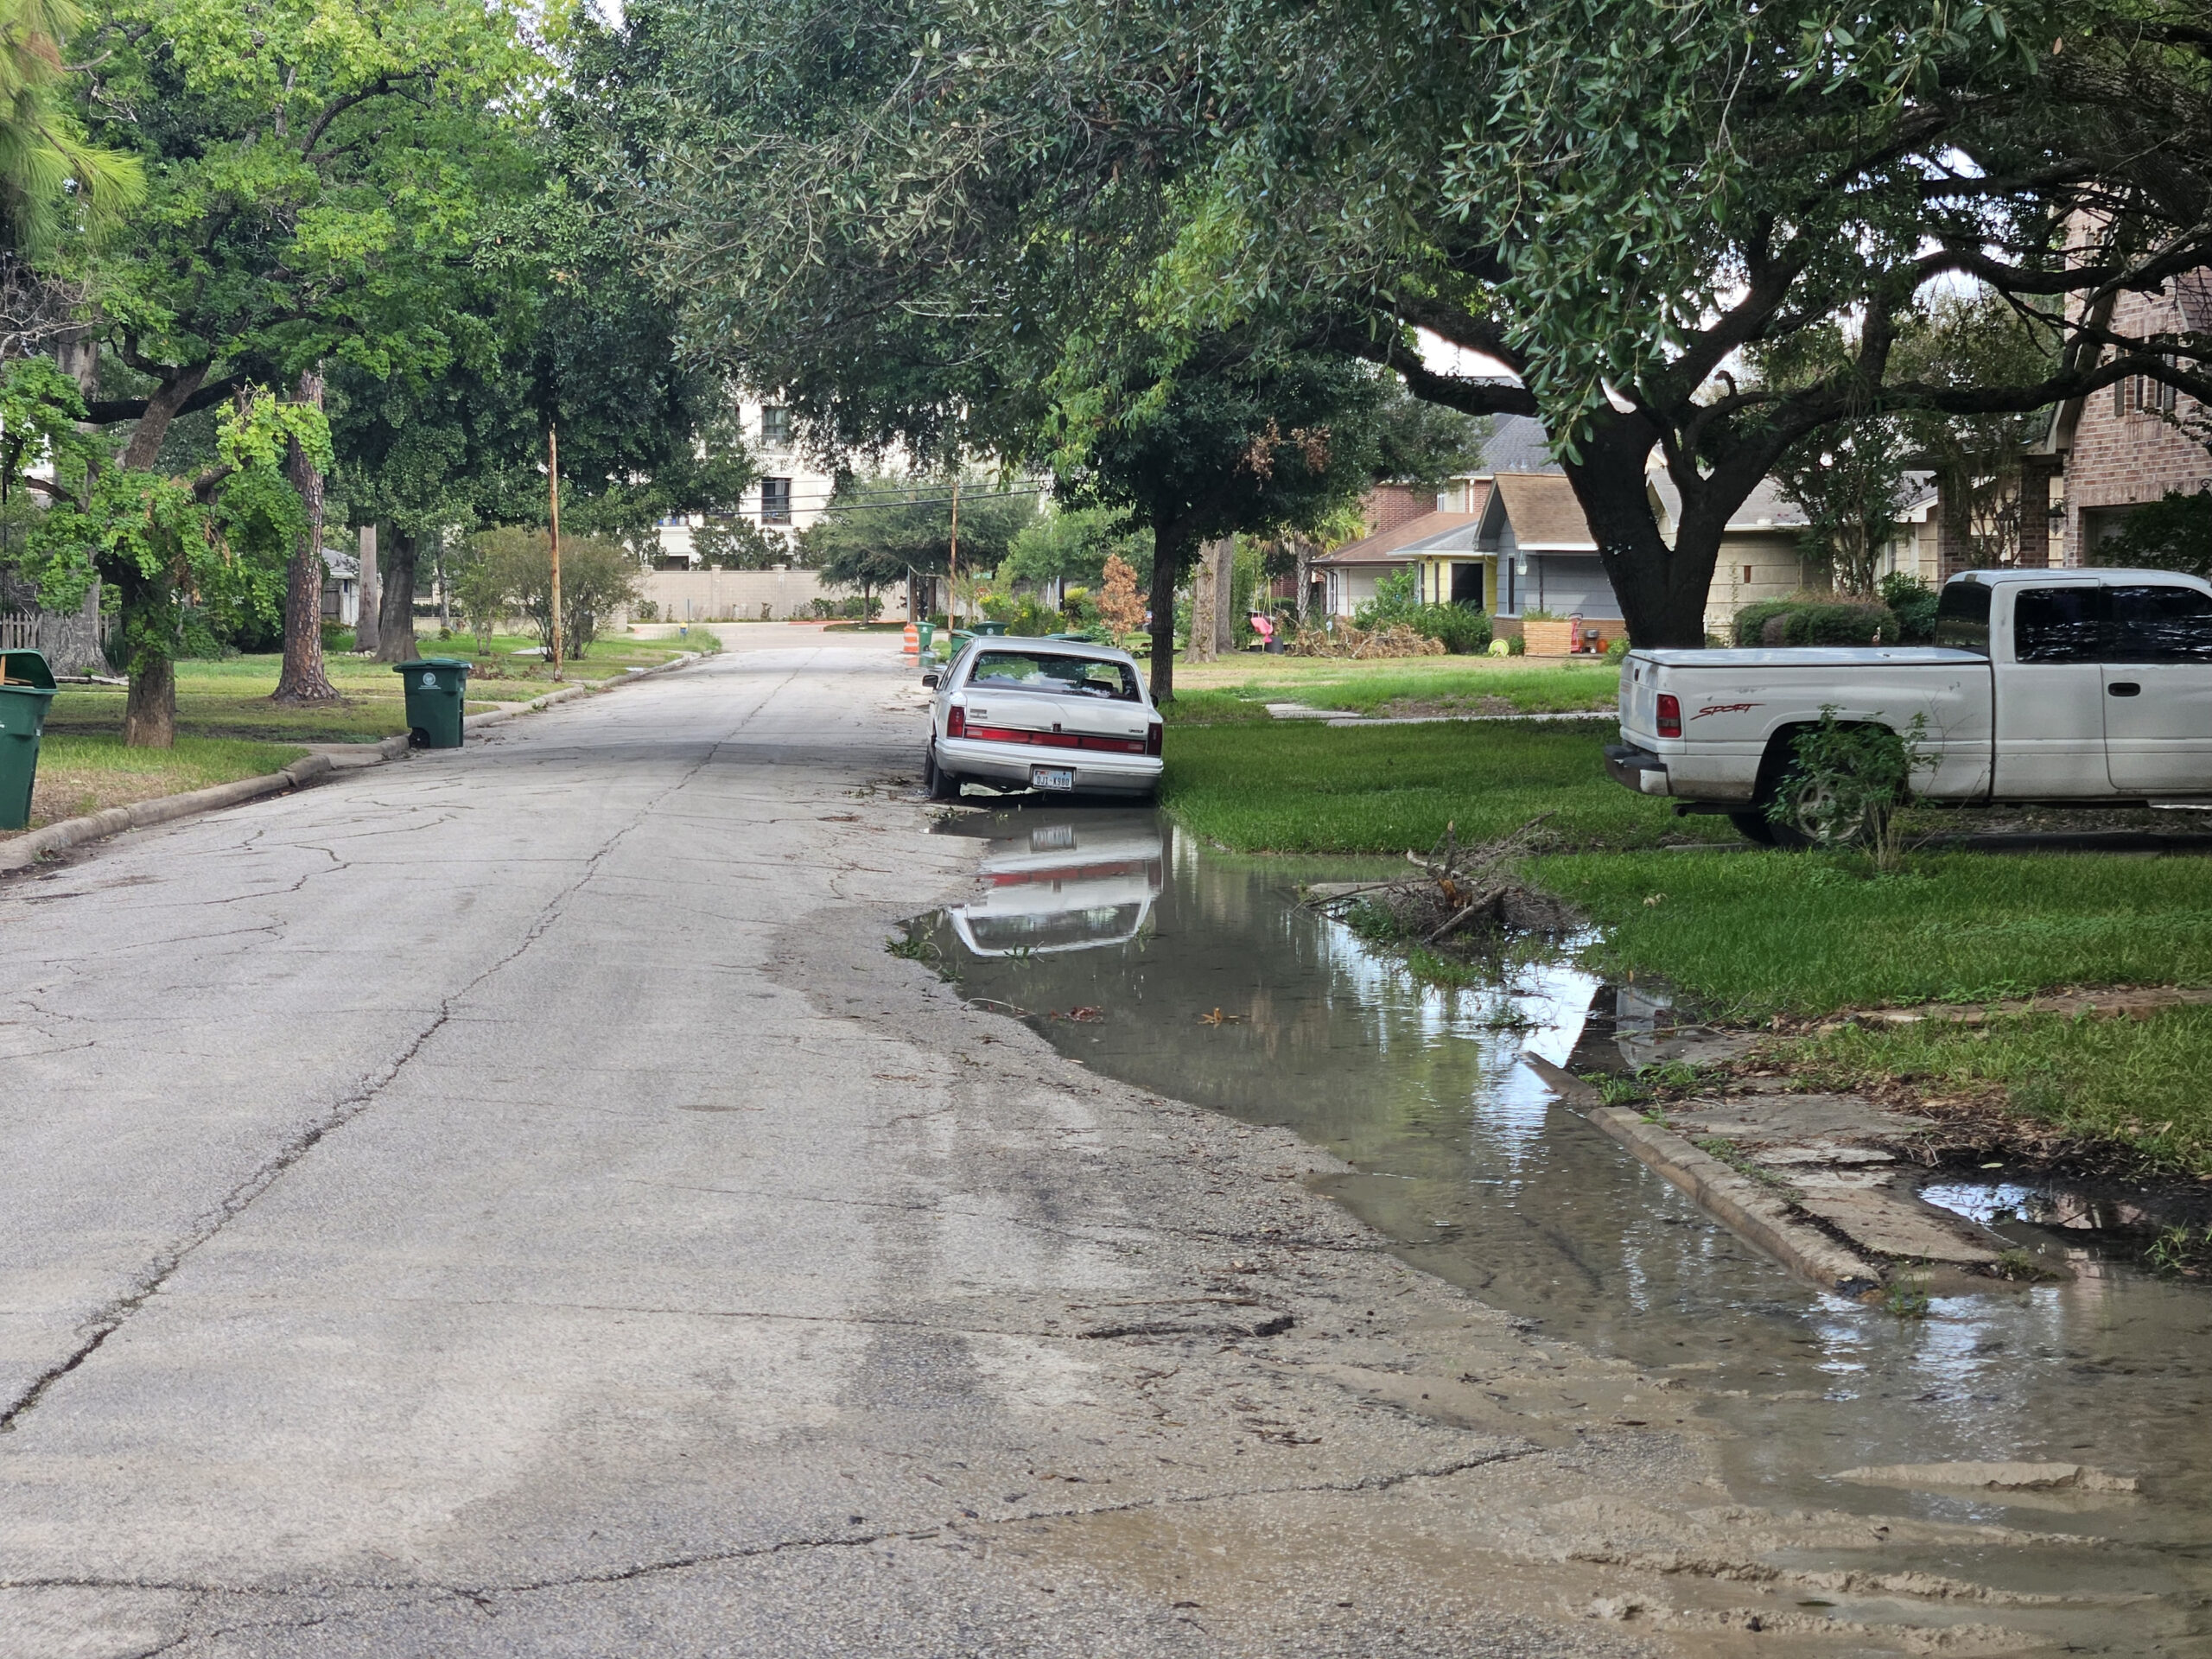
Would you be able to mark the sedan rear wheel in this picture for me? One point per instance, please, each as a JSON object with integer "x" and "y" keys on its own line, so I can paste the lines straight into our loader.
{"x": 941, "y": 784}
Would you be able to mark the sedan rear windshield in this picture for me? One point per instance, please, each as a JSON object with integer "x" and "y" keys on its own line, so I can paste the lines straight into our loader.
{"x": 1081, "y": 676}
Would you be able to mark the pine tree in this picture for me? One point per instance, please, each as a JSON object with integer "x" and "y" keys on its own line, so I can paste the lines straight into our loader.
{"x": 1119, "y": 601}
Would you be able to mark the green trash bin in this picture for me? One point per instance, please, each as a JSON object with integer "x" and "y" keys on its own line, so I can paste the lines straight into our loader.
{"x": 437, "y": 687}
{"x": 990, "y": 630}
{"x": 25, "y": 688}
{"x": 924, "y": 632}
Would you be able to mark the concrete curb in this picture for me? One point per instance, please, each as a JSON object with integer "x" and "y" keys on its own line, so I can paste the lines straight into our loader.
{"x": 162, "y": 809}
{"x": 26, "y": 850}
{"x": 499, "y": 716}
{"x": 1755, "y": 1214}
{"x": 1751, "y": 1211}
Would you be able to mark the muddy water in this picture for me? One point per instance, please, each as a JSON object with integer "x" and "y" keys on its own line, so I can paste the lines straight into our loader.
{"x": 1200, "y": 977}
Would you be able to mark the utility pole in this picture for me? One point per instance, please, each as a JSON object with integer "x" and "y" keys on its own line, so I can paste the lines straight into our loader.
{"x": 553, "y": 470}
{"x": 952, "y": 580}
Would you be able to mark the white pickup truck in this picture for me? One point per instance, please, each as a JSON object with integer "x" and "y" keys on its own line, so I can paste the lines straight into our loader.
{"x": 2061, "y": 686}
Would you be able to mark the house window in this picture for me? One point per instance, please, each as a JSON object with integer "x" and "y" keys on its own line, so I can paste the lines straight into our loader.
{"x": 775, "y": 500}
{"x": 775, "y": 427}
{"x": 1747, "y": 573}
{"x": 2156, "y": 394}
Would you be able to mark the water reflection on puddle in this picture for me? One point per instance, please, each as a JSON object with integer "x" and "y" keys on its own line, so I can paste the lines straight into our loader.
{"x": 1121, "y": 939}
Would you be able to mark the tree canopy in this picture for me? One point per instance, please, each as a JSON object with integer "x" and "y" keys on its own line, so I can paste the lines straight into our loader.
{"x": 1612, "y": 201}
{"x": 877, "y": 528}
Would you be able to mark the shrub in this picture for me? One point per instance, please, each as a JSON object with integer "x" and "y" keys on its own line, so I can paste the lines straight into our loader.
{"x": 1847, "y": 781}
{"x": 2172, "y": 533}
{"x": 597, "y": 578}
{"x": 337, "y": 638}
{"x": 1619, "y": 649}
{"x": 1913, "y": 602}
{"x": 1460, "y": 629}
{"x": 1816, "y": 621}
{"x": 1394, "y": 599}
{"x": 1119, "y": 603}
{"x": 645, "y": 610}
{"x": 1022, "y": 614}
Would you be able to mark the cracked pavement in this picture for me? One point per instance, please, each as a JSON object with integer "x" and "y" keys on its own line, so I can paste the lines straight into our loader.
{"x": 510, "y": 1202}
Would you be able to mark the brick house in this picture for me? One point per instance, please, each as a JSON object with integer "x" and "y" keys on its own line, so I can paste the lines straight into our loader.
{"x": 2116, "y": 450}
{"x": 1408, "y": 530}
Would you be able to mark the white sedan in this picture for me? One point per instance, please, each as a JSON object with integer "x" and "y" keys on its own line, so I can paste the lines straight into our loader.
{"x": 1060, "y": 715}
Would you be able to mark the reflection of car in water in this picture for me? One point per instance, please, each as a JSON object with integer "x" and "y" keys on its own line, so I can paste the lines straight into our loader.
{"x": 1071, "y": 884}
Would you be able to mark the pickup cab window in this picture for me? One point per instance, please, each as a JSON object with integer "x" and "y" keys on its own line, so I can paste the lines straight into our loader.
{"x": 2159, "y": 624}
{"x": 2058, "y": 625}
{"x": 1962, "y": 617}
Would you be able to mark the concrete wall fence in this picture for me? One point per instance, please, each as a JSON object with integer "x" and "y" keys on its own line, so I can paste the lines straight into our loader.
{"x": 744, "y": 595}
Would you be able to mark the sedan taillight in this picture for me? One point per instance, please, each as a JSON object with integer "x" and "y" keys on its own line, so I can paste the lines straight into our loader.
{"x": 1153, "y": 738}
{"x": 956, "y": 721}
{"x": 1670, "y": 715}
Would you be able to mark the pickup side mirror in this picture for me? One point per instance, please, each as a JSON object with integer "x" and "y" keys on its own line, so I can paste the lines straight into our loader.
{"x": 929, "y": 680}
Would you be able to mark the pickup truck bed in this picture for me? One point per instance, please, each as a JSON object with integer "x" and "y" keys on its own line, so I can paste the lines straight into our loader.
{"x": 2052, "y": 686}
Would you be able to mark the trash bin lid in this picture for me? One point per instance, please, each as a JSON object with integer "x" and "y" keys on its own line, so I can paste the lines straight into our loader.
{"x": 25, "y": 670}
{"x": 462, "y": 664}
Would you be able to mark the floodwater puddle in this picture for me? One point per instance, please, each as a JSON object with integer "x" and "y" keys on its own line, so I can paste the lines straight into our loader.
{"x": 1200, "y": 976}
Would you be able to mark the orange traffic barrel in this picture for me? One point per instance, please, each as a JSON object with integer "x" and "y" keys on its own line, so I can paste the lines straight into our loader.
{"x": 913, "y": 645}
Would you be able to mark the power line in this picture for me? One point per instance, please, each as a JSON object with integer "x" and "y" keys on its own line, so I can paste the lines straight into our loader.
{"x": 830, "y": 504}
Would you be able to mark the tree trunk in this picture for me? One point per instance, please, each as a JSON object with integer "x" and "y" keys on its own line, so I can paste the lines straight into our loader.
{"x": 302, "y": 679}
{"x": 150, "y": 707}
{"x": 1169, "y": 551}
{"x": 78, "y": 352}
{"x": 396, "y": 623}
{"x": 1224, "y": 594}
{"x": 162, "y": 405}
{"x": 1662, "y": 589}
{"x": 371, "y": 589}
{"x": 150, "y": 629}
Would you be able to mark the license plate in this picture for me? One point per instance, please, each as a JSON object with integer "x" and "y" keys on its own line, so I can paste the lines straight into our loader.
{"x": 1052, "y": 777}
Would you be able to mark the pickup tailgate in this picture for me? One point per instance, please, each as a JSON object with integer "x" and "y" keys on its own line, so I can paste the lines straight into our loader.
{"x": 1730, "y": 707}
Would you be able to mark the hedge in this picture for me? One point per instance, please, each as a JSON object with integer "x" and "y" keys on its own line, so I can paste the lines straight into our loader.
{"x": 1817, "y": 622}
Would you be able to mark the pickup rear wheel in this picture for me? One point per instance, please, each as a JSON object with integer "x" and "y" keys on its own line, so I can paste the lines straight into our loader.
{"x": 1811, "y": 816}
{"x": 1754, "y": 826}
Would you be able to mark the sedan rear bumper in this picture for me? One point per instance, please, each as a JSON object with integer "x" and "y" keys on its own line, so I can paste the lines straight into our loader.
{"x": 1007, "y": 766}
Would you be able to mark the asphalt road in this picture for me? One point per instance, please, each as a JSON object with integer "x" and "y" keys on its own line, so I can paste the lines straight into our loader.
{"x": 509, "y": 1202}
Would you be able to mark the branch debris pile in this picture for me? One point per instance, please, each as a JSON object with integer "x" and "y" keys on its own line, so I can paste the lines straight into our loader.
{"x": 1345, "y": 640}
{"x": 1468, "y": 899}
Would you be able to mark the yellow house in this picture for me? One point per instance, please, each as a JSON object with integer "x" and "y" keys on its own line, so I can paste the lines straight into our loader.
{"x": 1436, "y": 543}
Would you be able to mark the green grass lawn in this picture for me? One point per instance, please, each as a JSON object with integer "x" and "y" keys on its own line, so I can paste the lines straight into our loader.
{"x": 2135, "y": 1084}
{"x": 1754, "y": 934}
{"x": 229, "y": 698}
{"x": 1295, "y": 786}
{"x": 77, "y": 774}
{"x": 1757, "y": 934}
{"x": 1239, "y": 688}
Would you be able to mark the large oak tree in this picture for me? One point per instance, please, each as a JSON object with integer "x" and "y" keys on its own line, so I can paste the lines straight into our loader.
{"x": 1614, "y": 202}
